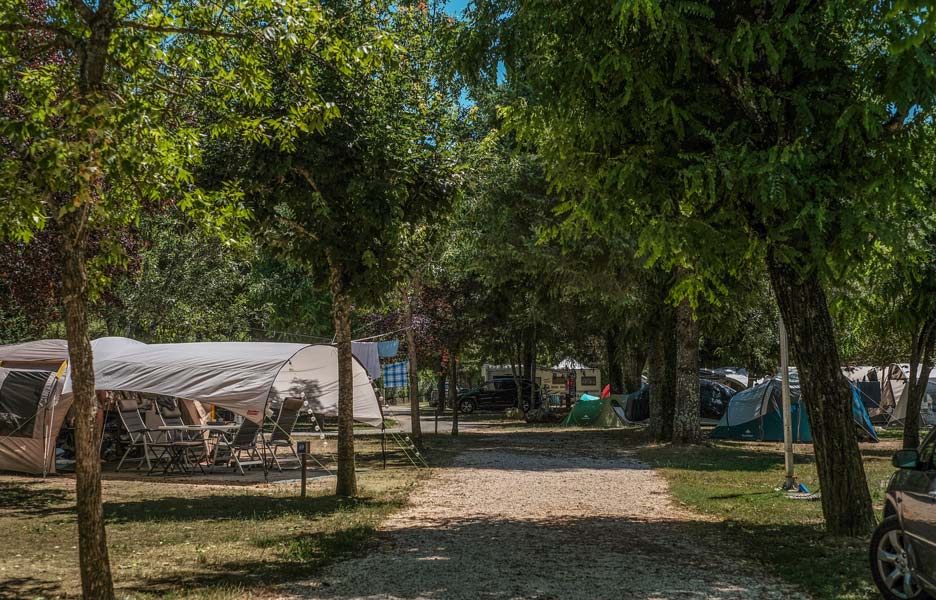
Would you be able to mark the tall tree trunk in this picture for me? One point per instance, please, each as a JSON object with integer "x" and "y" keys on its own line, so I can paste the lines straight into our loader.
{"x": 453, "y": 390}
{"x": 615, "y": 357}
{"x": 96, "y": 580}
{"x": 341, "y": 299}
{"x": 413, "y": 379}
{"x": 635, "y": 358}
{"x": 663, "y": 377}
{"x": 846, "y": 501}
{"x": 94, "y": 563}
{"x": 687, "y": 428}
{"x": 440, "y": 391}
{"x": 921, "y": 359}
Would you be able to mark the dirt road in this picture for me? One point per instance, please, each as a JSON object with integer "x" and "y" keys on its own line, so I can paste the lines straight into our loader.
{"x": 546, "y": 515}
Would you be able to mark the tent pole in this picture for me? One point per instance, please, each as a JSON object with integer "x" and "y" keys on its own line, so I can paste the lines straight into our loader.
{"x": 789, "y": 482}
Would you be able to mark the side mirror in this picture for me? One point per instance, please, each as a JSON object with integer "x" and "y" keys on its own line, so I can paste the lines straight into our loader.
{"x": 906, "y": 459}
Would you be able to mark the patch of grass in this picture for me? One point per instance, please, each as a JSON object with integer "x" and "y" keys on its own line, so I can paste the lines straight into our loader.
{"x": 187, "y": 541}
{"x": 737, "y": 482}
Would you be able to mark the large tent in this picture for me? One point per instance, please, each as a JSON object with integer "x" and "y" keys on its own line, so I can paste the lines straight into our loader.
{"x": 713, "y": 402}
{"x": 31, "y": 412}
{"x": 243, "y": 377}
{"x": 887, "y": 388}
{"x": 756, "y": 414}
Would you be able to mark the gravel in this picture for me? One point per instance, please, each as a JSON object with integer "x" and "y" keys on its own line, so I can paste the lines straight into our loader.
{"x": 548, "y": 518}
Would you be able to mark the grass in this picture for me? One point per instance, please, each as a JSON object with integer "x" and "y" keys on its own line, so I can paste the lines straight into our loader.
{"x": 737, "y": 483}
{"x": 189, "y": 541}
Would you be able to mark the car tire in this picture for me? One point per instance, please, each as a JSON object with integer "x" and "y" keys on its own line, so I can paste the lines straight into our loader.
{"x": 888, "y": 556}
{"x": 466, "y": 407}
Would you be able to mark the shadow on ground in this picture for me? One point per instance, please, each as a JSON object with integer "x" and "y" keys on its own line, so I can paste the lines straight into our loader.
{"x": 506, "y": 559}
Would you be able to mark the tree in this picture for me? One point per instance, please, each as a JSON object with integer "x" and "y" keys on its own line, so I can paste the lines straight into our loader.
{"x": 338, "y": 199}
{"x": 792, "y": 167}
{"x": 97, "y": 120}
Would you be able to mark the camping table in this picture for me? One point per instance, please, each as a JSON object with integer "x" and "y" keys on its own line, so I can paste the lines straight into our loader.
{"x": 177, "y": 456}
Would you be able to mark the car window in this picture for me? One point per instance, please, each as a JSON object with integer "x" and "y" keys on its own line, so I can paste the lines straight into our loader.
{"x": 488, "y": 387}
{"x": 927, "y": 451}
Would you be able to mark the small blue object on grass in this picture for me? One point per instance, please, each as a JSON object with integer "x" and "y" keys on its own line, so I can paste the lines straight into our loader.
{"x": 803, "y": 489}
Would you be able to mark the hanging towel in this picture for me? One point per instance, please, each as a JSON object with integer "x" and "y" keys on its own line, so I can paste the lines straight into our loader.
{"x": 395, "y": 375}
{"x": 388, "y": 349}
{"x": 366, "y": 353}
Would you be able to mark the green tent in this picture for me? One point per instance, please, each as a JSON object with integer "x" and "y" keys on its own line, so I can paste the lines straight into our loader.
{"x": 591, "y": 411}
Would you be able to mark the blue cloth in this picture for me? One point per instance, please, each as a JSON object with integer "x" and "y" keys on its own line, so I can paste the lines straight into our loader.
{"x": 388, "y": 349}
{"x": 395, "y": 375}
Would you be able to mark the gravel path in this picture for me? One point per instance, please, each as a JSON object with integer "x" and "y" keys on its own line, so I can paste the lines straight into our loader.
{"x": 546, "y": 520}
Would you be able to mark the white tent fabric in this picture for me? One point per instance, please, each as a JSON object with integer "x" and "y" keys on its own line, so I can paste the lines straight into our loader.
{"x": 367, "y": 355}
{"x": 237, "y": 376}
{"x": 41, "y": 353}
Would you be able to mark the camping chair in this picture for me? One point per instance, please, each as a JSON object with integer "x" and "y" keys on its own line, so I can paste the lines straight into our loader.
{"x": 187, "y": 448}
{"x": 243, "y": 442}
{"x": 282, "y": 432}
{"x": 140, "y": 437}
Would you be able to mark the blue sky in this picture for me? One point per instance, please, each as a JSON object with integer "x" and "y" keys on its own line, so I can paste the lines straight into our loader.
{"x": 455, "y": 7}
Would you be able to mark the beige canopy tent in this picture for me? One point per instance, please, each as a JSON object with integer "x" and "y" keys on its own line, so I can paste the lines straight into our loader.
{"x": 243, "y": 377}
{"x": 894, "y": 382}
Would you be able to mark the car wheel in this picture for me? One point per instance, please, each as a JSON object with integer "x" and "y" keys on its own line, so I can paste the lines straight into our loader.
{"x": 890, "y": 568}
{"x": 466, "y": 406}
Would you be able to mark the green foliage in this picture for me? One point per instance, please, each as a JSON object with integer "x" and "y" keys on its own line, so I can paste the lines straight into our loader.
{"x": 338, "y": 200}
{"x": 186, "y": 286}
{"x": 718, "y": 129}
{"x": 104, "y": 107}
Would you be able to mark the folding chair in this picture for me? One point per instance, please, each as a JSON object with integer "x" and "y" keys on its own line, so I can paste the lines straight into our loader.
{"x": 186, "y": 448}
{"x": 282, "y": 432}
{"x": 231, "y": 450}
{"x": 129, "y": 412}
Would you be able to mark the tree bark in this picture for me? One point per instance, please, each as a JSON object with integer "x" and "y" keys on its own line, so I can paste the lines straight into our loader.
{"x": 615, "y": 360}
{"x": 635, "y": 358}
{"x": 846, "y": 501}
{"x": 413, "y": 379}
{"x": 347, "y": 480}
{"x": 663, "y": 377}
{"x": 94, "y": 564}
{"x": 687, "y": 428}
{"x": 453, "y": 390}
{"x": 921, "y": 359}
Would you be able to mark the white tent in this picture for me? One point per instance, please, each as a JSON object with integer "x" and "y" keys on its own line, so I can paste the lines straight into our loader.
{"x": 238, "y": 376}
{"x": 41, "y": 354}
{"x": 243, "y": 377}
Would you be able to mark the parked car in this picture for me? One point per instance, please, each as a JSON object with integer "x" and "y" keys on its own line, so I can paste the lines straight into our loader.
{"x": 903, "y": 548}
{"x": 497, "y": 394}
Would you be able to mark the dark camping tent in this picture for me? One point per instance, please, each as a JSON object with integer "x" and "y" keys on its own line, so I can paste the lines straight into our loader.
{"x": 755, "y": 414}
{"x": 713, "y": 396}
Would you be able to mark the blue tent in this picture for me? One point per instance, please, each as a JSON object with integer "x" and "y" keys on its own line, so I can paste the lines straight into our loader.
{"x": 756, "y": 414}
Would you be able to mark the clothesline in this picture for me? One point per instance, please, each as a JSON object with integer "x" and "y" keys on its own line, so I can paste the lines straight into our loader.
{"x": 380, "y": 335}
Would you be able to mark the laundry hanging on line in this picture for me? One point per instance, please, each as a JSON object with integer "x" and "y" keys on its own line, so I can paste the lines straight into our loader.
{"x": 395, "y": 374}
{"x": 388, "y": 349}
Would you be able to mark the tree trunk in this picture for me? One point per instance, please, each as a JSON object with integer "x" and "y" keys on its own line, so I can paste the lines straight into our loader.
{"x": 846, "y": 501}
{"x": 663, "y": 378}
{"x": 341, "y": 299}
{"x": 615, "y": 360}
{"x": 96, "y": 580}
{"x": 94, "y": 563}
{"x": 635, "y": 358}
{"x": 687, "y": 428}
{"x": 921, "y": 359}
{"x": 453, "y": 390}
{"x": 413, "y": 379}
